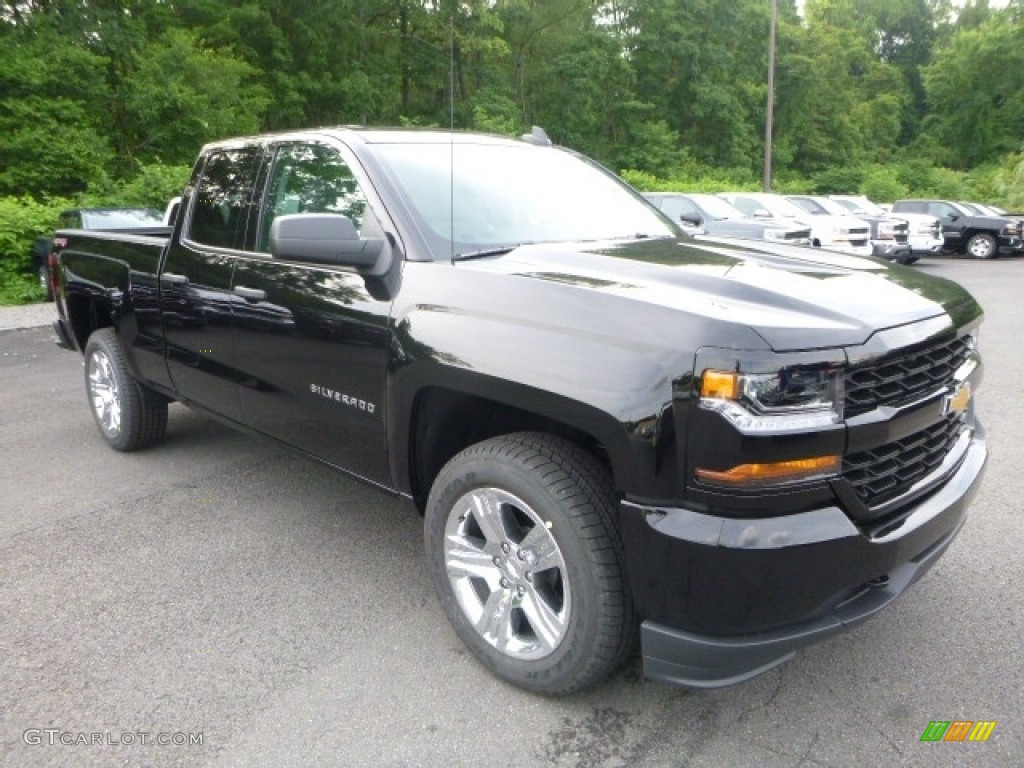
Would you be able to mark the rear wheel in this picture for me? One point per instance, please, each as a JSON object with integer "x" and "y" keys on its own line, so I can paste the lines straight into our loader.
{"x": 981, "y": 246}
{"x": 129, "y": 415}
{"x": 523, "y": 551}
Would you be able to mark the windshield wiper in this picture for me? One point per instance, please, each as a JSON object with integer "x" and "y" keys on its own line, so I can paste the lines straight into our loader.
{"x": 498, "y": 250}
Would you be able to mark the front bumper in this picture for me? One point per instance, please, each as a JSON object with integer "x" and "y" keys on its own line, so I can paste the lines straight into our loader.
{"x": 1009, "y": 245}
{"x": 891, "y": 250}
{"x": 817, "y": 572}
{"x": 924, "y": 245}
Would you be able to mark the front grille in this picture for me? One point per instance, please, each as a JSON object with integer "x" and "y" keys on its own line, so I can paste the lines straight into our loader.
{"x": 797, "y": 234}
{"x": 902, "y": 377}
{"x": 884, "y": 473}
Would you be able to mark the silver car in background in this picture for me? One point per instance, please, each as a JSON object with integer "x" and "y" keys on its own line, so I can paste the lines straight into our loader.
{"x": 704, "y": 213}
{"x": 838, "y": 233}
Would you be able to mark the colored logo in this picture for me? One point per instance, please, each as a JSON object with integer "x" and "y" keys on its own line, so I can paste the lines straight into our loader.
{"x": 958, "y": 401}
{"x": 958, "y": 730}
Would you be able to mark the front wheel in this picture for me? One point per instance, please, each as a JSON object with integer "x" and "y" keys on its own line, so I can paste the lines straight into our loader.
{"x": 129, "y": 415}
{"x": 527, "y": 562}
{"x": 981, "y": 246}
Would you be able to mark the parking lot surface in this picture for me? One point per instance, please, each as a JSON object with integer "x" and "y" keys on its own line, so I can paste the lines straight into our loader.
{"x": 250, "y": 607}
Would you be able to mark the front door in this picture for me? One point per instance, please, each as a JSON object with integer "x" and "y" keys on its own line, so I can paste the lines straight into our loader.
{"x": 311, "y": 342}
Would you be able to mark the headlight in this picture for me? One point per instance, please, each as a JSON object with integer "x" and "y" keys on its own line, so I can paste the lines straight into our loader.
{"x": 775, "y": 235}
{"x": 795, "y": 398}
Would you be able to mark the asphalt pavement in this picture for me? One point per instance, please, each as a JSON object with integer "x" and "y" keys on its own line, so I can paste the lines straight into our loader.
{"x": 253, "y": 608}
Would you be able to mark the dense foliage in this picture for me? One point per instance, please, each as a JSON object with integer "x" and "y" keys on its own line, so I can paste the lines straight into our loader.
{"x": 109, "y": 100}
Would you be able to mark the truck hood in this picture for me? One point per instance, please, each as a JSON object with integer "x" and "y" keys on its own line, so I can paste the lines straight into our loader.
{"x": 792, "y": 297}
{"x": 833, "y": 222}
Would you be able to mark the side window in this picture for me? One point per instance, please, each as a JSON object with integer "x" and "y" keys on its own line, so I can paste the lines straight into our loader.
{"x": 675, "y": 207}
{"x": 942, "y": 210}
{"x": 223, "y": 201}
{"x": 311, "y": 178}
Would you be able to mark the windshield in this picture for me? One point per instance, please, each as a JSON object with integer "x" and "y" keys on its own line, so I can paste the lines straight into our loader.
{"x": 717, "y": 208}
{"x": 779, "y": 206}
{"x": 861, "y": 205}
{"x": 811, "y": 206}
{"x": 506, "y": 194}
{"x": 831, "y": 206}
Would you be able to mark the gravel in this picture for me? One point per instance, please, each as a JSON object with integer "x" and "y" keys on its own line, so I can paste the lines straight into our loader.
{"x": 27, "y": 316}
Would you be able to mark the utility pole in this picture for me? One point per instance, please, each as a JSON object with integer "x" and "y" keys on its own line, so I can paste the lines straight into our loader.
{"x": 770, "y": 107}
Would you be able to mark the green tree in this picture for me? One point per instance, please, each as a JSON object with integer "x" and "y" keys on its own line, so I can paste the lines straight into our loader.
{"x": 53, "y": 142}
{"x": 179, "y": 95}
{"x": 974, "y": 86}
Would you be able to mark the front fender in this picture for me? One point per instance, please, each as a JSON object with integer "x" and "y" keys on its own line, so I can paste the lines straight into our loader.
{"x": 619, "y": 394}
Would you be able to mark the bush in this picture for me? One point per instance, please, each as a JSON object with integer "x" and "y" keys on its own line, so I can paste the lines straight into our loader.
{"x": 882, "y": 185}
{"x": 152, "y": 186}
{"x": 694, "y": 177}
{"x": 22, "y": 220}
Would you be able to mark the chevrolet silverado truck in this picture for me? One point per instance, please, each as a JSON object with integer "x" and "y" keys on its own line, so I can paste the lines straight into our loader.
{"x": 616, "y": 434}
{"x": 890, "y": 237}
{"x": 925, "y": 231}
{"x": 839, "y": 233}
{"x": 967, "y": 233}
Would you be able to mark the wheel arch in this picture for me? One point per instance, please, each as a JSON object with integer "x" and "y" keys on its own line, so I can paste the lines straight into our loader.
{"x": 440, "y": 420}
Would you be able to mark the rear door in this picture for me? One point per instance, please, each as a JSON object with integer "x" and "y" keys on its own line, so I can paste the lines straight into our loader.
{"x": 195, "y": 284}
{"x": 311, "y": 342}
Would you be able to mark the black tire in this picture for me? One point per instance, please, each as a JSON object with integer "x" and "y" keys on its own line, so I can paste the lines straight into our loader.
{"x": 44, "y": 281}
{"x": 561, "y": 617}
{"x": 981, "y": 246}
{"x": 129, "y": 415}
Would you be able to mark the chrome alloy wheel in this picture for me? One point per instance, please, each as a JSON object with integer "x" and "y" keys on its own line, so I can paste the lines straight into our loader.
{"x": 508, "y": 574}
{"x": 104, "y": 392}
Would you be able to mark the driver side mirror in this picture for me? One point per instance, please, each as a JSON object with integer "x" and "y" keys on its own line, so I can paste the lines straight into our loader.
{"x": 328, "y": 238}
{"x": 693, "y": 219}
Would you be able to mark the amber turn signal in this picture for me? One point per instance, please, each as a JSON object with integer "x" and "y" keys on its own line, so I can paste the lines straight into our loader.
{"x": 721, "y": 385}
{"x": 753, "y": 475}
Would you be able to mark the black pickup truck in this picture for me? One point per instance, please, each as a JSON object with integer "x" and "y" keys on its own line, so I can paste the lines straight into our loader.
{"x": 967, "y": 233}
{"x": 614, "y": 432}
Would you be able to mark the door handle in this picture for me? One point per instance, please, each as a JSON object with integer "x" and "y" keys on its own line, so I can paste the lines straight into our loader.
{"x": 250, "y": 294}
{"x": 173, "y": 278}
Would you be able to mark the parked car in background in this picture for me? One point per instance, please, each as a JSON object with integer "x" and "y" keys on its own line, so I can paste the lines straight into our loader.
{"x": 925, "y": 230}
{"x": 990, "y": 210}
{"x": 964, "y": 232}
{"x": 839, "y": 233}
{"x": 889, "y": 235}
{"x": 106, "y": 219}
{"x": 715, "y": 216}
